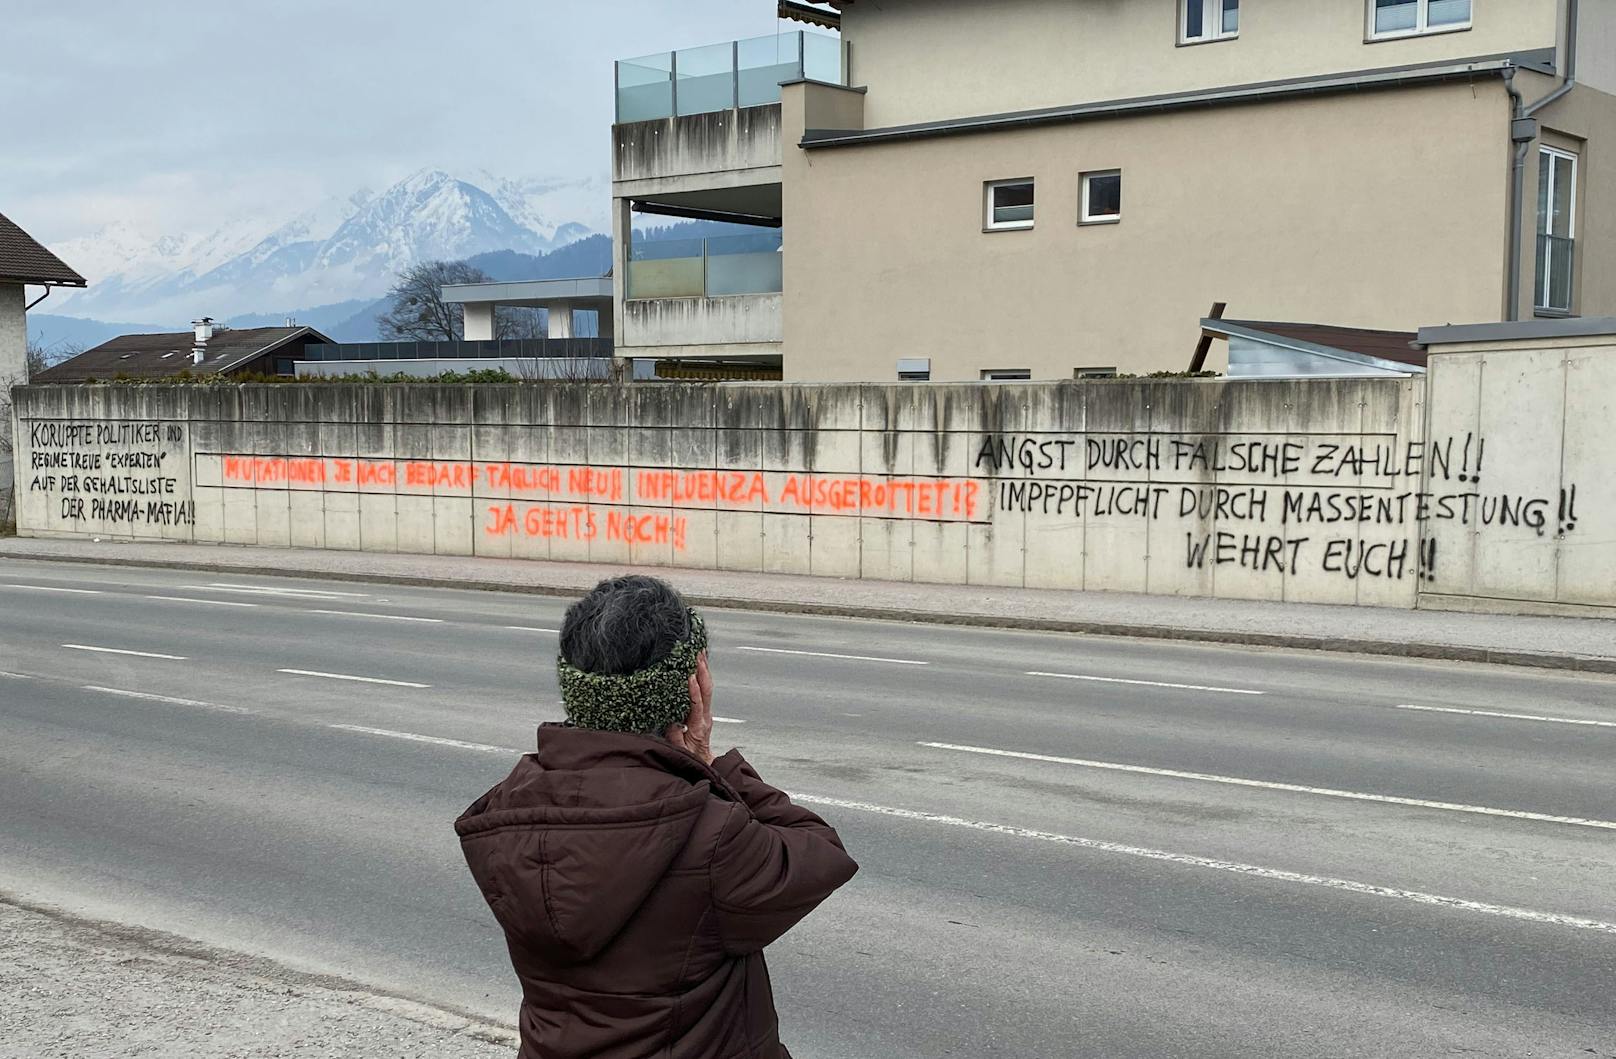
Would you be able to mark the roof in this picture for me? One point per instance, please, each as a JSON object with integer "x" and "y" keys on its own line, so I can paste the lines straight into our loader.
{"x": 23, "y": 260}
{"x": 1387, "y": 345}
{"x": 814, "y": 16}
{"x": 1265, "y": 91}
{"x": 160, "y": 356}
{"x": 579, "y": 291}
{"x": 1519, "y": 330}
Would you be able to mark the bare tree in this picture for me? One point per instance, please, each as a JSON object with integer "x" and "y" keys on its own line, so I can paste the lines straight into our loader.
{"x": 417, "y": 311}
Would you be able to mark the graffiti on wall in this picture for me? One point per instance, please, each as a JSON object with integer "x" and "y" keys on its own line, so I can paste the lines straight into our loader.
{"x": 1277, "y": 505}
{"x": 574, "y": 502}
{"x": 118, "y": 473}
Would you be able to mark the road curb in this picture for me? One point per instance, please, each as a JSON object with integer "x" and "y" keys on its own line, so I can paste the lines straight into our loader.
{"x": 1334, "y": 644}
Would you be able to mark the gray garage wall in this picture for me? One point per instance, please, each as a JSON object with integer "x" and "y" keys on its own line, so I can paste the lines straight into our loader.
{"x": 1318, "y": 491}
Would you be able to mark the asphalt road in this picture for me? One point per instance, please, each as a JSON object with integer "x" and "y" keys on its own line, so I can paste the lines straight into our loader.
{"x": 1070, "y": 846}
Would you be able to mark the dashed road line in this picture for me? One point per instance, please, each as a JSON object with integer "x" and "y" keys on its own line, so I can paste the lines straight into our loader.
{"x": 15, "y": 676}
{"x": 170, "y": 699}
{"x": 529, "y": 628}
{"x": 209, "y": 602}
{"x": 728, "y": 720}
{"x": 827, "y": 654}
{"x": 1148, "y": 683}
{"x": 414, "y": 737}
{"x": 1297, "y": 788}
{"x": 349, "y": 676}
{"x": 270, "y": 590}
{"x": 384, "y": 617}
{"x": 1235, "y": 867}
{"x": 121, "y": 651}
{"x": 55, "y": 588}
{"x": 1510, "y": 716}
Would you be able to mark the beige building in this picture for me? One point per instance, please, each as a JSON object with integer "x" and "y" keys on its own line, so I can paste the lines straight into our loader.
{"x": 958, "y": 190}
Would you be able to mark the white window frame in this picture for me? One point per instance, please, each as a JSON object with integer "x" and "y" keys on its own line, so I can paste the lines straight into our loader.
{"x": 1212, "y": 12}
{"x": 1421, "y": 28}
{"x": 1006, "y": 374}
{"x": 988, "y": 223}
{"x": 1084, "y": 215}
{"x": 1571, "y": 227}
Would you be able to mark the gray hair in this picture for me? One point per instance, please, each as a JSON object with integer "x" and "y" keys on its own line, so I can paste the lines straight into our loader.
{"x": 623, "y": 625}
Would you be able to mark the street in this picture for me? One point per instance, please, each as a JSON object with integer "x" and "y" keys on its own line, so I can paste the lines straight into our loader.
{"x": 1070, "y": 846}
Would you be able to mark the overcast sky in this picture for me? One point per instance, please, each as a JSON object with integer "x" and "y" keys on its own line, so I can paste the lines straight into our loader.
{"x": 181, "y": 115}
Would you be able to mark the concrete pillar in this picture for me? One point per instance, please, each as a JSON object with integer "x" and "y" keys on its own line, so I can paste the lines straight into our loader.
{"x": 479, "y": 321}
{"x": 622, "y": 236}
{"x": 603, "y": 327}
{"x": 13, "y": 336}
{"x": 558, "y": 318}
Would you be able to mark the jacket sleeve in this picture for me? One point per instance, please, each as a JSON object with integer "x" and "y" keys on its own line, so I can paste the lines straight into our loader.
{"x": 773, "y": 864}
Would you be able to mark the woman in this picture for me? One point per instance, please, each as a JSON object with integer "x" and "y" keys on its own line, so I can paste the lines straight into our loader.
{"x": 638, "y": 878}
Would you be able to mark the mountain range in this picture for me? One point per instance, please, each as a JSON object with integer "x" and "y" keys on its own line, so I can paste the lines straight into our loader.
{"x": 331, "y": 263}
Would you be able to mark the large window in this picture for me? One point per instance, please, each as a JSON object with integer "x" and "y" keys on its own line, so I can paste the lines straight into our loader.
{"x": 1406, "y": 18}
{"x": 1204, "y": 20}
{"x": 1009, "y": 204}
{"x": 1556, "y": 229}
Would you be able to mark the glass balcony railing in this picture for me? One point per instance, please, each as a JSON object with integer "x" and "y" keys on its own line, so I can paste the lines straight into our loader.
{"x": 741, "y": 73}
{"x": 706, "y": 268}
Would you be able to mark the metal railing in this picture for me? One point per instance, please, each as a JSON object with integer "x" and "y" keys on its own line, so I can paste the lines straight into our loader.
{"x": 740, "y": 73}
{"x": 1556, "y": 269}
{"x": 460, "y": 349}
{"x": 706, "y": 268}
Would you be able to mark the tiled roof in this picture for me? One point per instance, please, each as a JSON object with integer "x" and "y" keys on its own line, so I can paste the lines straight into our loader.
{"x": 159, "y": 356}
{"x": 23, "y": 260}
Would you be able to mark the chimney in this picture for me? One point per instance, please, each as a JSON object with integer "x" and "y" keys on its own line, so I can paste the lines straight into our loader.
{"x": 204, "y": 331}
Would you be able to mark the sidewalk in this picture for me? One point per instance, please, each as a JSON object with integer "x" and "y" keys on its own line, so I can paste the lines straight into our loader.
{"x": 83, "y": 990}
{"x": 1587, "y": 644}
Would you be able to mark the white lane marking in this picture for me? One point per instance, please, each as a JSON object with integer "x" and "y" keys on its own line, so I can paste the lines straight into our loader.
{"x": 266, "y": 590}
{"x": 529, "y": 628}
{"x": 1510, "y": 716}
{"x": 827, "y": 654}
{"x": 53, "y": 588}
{"x": 1237, "y": 781}
{"x": 346, "y": 676}
{"x": 728, "y": 720}
{"x": 385, "y": 617}
{"x": 1252, "y": 870}
{"x": 209, "y": 602}
{"x": 120, "y": 651}
{"x": 15, "y": 676}
{"x": 166, "y": 698}
{"x": 415, "y": 738}
{"x": 1148, "y": 683}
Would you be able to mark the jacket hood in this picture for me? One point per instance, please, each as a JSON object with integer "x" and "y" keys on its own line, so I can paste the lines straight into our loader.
{"x": 569, "y": 845}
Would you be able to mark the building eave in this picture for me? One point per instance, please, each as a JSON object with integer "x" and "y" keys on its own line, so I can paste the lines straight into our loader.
{"x": 1262, "y": 92}
{"x": 814, "y": 16}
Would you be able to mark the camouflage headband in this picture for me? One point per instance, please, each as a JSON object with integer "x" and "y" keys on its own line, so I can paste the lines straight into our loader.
{"x": 644, "y": 702}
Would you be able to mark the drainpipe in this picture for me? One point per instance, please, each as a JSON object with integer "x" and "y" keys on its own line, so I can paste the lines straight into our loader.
{"x": 36, "y": 301}
{"x": 1523, "y": 131}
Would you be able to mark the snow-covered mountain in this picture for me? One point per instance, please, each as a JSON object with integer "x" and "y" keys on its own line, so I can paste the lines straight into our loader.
{"x": 342, "y": 249}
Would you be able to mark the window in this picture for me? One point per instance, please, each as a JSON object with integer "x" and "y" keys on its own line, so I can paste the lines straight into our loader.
{"x": 1556, "y": 228}
{"x": 1203, "y": 20}
{"x": 914, "y": 369}
{"x": 1406, "y": 18}
{"x": 284, "y": 366}
{"x": 1109, "y": 372}
{"x": 1102, "y": 197}
{"x": 1009, "y": 204}
{"x": 1006, "y": 374}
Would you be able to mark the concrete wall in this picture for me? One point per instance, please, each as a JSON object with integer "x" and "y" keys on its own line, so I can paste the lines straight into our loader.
{"x": 652, "y": 156}
{"x": 926, "y": 60}
{"x": 1331, "y": 491}
{"x": 1538, "y": 421}
{"x": 1596, "y": 51}
{"x": 886, "y": 256}
{"x": 743, "y": 324}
